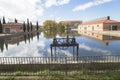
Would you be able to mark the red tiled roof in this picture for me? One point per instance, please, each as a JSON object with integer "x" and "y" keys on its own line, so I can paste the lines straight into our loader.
{"x": 100, "y": 21}
{"x": 12, "y": 23}
{"x": 73, "y": 21}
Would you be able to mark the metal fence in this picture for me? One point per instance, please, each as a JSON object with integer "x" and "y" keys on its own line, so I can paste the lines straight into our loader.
{"x": 50, "y": 66}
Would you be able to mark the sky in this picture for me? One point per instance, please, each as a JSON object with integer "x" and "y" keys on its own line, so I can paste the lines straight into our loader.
{"x": 59, "y": 10}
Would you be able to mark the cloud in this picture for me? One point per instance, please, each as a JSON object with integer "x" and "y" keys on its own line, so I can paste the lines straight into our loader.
{"x": 50, "y": 3}
{"x": 94, "y": 49}
{"x": 23, "y": 9}
{"x": 90, "y": 4}
{"x": 24, "y": 50}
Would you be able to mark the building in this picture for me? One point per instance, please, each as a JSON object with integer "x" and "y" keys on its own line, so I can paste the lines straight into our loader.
{"x": 73, "y": 23}
{"x": 102, "y": 24}
{"x": 12, "y": 27}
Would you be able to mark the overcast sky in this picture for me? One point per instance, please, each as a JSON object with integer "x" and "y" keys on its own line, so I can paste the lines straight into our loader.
{"x": 59, "y": 9}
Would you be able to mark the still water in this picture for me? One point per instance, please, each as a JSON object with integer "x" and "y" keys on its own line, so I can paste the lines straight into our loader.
{"x": 38, "y": 45}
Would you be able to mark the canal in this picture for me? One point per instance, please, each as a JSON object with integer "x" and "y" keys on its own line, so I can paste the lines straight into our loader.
{"x": 38, "y": 45}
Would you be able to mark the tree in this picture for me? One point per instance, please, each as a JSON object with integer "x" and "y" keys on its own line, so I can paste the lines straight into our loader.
{"x": 24, "y": 27}
{"x": 50, "y": 24}
{"x": 1, "y": 28}
{"x": 4, "y": 20}
{"x": 28, "y": 25}
{"x": 31, "y": 26}
{"x": 37, "y": 26}
{"x": 61, "y": 27}
{"x": 62, "y": 23}
{"x": 51, "y": 27}
{"x": 16, "y": 20}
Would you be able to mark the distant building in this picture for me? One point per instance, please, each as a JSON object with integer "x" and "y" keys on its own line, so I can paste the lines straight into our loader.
{"x": 102, "y": 24}
{"x": 12, "y": 27}
{"x": 73, "y": 23}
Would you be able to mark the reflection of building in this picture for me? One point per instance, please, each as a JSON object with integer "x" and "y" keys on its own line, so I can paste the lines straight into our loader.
{"x": 14, "y": 39}
{"x": 12, "y": 27}
{"x": 100, "y": 37}
{"x": 20, "y": 38}
{"x": 17, "y": 39}
{"x": 102, "y": 24}
{"x": 73, "y": 23}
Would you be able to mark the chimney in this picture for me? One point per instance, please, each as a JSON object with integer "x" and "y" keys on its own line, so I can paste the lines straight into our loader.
{"x": 108, "y": 17}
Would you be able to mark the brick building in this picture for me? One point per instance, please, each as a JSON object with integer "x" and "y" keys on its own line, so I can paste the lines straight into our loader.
{"x": 102, "y": 24}
{"x": 12, "y": 27}
{"x": 73, "y": 23}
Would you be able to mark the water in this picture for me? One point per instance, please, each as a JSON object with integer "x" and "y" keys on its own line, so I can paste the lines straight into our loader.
{"x": 38, "y": 45}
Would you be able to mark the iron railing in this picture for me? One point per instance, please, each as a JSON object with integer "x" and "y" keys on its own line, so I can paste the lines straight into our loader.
{"x": 40, "y": 66}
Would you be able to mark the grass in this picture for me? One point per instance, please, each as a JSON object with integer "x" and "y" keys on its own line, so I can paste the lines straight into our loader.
{"x": 71, "y": 75}
{"x": 89, "y": 71}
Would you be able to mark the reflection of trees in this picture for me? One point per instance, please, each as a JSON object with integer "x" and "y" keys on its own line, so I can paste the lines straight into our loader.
{"x": 29, "y": 38}
{"x": 61, "y": 30}
{"x": 49, "y": 34}
{"x": 2, "y": 44}
{"x": 25, "y": 38}
{"x": 38, "y": 35}
{"x": 63, "y": 34}
{"x": 6, "y": 45}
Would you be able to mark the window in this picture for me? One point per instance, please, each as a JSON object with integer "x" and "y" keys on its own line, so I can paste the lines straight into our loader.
{"x": 113, "y": 27}
{"x": 7, "y": 30}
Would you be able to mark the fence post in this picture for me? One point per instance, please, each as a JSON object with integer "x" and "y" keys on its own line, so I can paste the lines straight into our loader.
{"x": 65, "y": 64}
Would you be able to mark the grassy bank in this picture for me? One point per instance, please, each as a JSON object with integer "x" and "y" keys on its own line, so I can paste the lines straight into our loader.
{"x": 78, "y": 75}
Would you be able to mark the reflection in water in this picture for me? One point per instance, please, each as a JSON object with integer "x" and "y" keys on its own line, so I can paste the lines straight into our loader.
{"x": 99, "y": 37}
{"x": 35, "y": 44}
{"x": 64, "y": 44}
{"x": 4, "y": 42}
{"x": 51, "y": 34}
